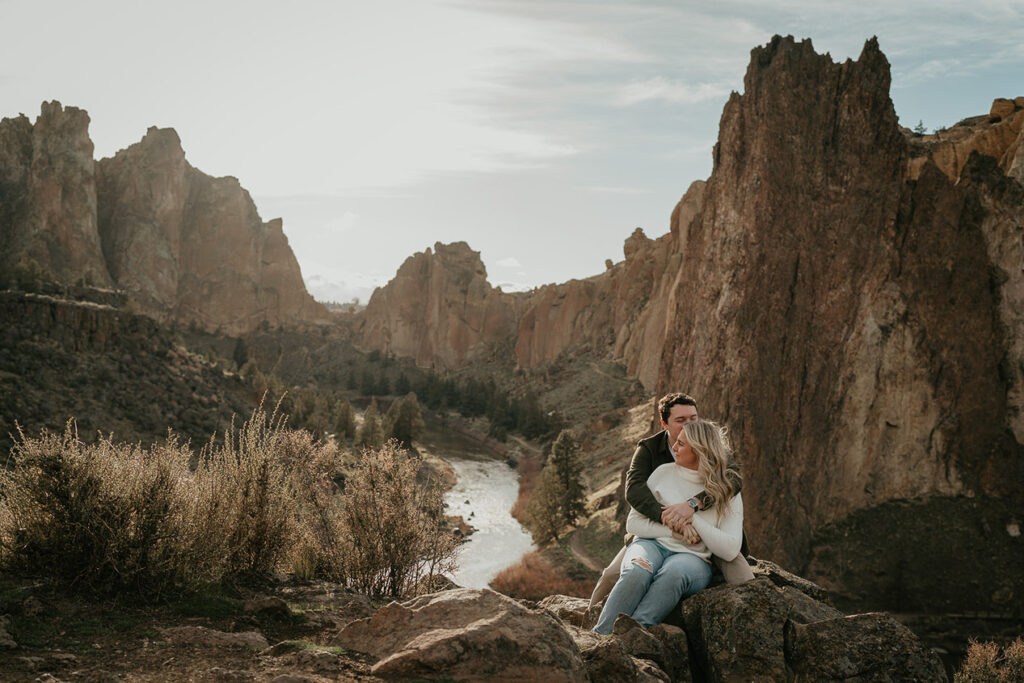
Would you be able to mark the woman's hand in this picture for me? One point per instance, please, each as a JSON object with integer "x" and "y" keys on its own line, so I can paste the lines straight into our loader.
{"x": 688, "y": 535}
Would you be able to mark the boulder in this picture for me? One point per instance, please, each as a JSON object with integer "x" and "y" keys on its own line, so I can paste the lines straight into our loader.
{"x": 863, "y": 647}
{"x": 467, "y": 634}
{"x": 569, "y": 609}
{"x": 737, "y": 632}
{"x": 268, "y": 607}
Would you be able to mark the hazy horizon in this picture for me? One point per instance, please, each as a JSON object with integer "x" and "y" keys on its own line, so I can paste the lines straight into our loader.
{"x": 540, "y": 133}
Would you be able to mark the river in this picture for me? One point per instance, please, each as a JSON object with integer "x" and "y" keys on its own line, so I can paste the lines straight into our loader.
{"x": 484, "y": 492}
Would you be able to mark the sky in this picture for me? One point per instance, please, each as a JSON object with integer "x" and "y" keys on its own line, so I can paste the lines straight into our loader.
{"x": 542, "y": 133}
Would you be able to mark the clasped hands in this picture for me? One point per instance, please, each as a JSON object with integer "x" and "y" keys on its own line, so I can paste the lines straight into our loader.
{"x": 679, "y": 518}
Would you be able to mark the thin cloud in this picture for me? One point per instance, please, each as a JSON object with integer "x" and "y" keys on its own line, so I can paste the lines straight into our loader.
{"x": 509, "y": 262}
{"x": 667, "y": 90}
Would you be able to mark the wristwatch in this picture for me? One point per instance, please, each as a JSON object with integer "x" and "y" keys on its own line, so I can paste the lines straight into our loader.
{"x": 694, "y": 504}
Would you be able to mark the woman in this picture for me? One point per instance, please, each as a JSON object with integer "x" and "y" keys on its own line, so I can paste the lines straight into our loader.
{"x": 661, "y": 567}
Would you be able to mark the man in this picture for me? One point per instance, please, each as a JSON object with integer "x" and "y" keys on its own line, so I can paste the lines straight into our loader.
{"x": 675, "y": 410}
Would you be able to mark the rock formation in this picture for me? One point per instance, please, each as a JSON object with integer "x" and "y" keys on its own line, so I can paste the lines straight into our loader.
{"x": 184, "y": 246}
{"x": 849, "y": 299}
{"x": 190, "y": 247}
{"x": 439, "y": 310}
{"x": 48, "y": 196}
{"x": 754, "y": 631}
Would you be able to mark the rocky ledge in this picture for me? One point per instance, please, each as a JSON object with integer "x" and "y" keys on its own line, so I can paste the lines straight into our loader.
{"x": 777, "y": 627}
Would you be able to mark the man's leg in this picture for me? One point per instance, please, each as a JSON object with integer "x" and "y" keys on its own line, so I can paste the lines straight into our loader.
{"x": 608, "y": 578}
{"x": 680, "y": 574}
{"x": 642, "y": 560}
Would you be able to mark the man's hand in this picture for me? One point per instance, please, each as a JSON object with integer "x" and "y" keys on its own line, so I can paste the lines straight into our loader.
{"x": 677, "y": 515}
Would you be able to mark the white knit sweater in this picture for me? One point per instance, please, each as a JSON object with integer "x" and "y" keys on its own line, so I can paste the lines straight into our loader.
{"x": 671, "y": 483}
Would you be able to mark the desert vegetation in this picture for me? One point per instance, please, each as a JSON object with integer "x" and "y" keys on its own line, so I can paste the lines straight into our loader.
{"x": 988, "y": 663}
{"x": 116, "y": 519}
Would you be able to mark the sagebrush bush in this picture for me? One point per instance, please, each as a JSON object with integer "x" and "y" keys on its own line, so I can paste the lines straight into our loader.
{"x": 100, "y": 516}
{"x": 396, "y": 538}
{"x": 985, "y": 664}
{"x": 109, "y": 518}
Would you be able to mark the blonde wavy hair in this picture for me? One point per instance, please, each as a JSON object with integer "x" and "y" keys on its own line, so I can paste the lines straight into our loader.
{"x": 710, "y": 442}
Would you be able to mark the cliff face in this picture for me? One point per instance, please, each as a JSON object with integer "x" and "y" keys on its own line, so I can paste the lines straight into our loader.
{"x": 184, "y": 246}
{"x": 48, "y": 196}
{"x": 439, "y": 310}
{"x": 849, "y": 300}
{"x": 191, "y": 247}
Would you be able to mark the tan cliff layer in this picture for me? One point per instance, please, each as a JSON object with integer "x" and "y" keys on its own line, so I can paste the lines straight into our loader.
{"x": 182, "y": 245}
{"x": 855, "y": 316}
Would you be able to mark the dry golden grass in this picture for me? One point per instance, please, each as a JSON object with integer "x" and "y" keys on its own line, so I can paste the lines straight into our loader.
{"x": 533, "y": 578}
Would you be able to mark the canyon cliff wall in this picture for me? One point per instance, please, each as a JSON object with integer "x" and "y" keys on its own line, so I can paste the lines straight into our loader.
{"x": 48, "y": 195}
{"x": 439, "y": 310}
{"x": 182, "y": 245}
{"x": 849, "y": 298}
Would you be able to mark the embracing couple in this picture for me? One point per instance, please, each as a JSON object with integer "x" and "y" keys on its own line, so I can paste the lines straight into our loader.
{"x": 683, "y": 488}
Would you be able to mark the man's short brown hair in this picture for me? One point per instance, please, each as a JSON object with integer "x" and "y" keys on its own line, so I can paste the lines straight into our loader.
{"x": 676, "y": 399}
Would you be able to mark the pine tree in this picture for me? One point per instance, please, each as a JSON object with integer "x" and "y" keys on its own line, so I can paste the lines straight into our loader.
{"x": 372, "y": 434}
{"x": 565, "y": 459}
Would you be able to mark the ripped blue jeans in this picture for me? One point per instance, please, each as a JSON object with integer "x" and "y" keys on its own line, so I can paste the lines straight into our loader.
{"x": 651, "y": 582}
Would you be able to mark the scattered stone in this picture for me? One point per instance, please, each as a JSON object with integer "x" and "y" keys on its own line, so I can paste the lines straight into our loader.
{"x": 6, "y": 639}
{"x": 207, "y": 637}
{"x": 568, "y": 609}
{"x": 292, "y": 678}
{"x": 863, "y": 647}
{"x": 465, "y": 633}
{"x": 268, "y": 607}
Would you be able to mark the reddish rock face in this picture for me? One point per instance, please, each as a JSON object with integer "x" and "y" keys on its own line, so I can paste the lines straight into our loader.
{"x": 439, "y": 310}
{"x": 48, "y": 196}
{"x": 183, "y": 246}
{"x": 850, "y": 301}
{"x": 190, "y": 247}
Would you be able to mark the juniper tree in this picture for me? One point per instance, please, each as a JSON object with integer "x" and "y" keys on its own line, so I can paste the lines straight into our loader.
{"x": 372, "y": 433}
{"x": 403, "y": 420}
{"x": 565, "y": 459}
{"x": 344, "y": 420}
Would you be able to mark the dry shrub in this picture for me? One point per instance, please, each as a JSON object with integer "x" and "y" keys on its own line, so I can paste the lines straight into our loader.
{"x": 245, "y": 496}
{"x": 533, "y": 578}
{"x": 109, "y": 517}
{"x": 396, "y": 540}
{"x": 985, "y": 664}
{"x": 102, "y": 516}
